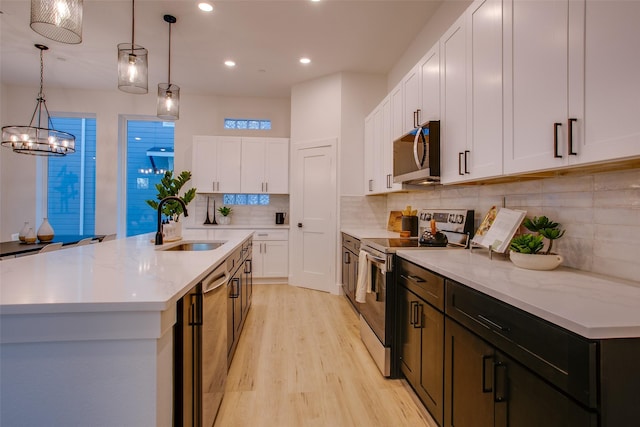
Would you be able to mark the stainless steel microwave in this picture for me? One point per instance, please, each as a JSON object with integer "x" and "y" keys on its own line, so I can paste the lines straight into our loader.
{"x": 416, "y": 155}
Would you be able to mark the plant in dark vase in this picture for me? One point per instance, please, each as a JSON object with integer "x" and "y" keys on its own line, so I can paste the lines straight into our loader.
{"x": 527, "y": 250}
{"x": 171, "y": 185}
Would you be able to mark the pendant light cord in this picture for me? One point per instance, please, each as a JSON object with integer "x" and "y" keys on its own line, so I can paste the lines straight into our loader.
{"x": 133, "y": 24}
{"x": 169, "y": 55}
{"x": 40, "y": 99}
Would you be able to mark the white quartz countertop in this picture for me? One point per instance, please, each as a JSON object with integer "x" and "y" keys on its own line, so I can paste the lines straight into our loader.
{"x": 590, "y": 305}
{"x": 119, "y": 275}
{"x": 370, "y": 233}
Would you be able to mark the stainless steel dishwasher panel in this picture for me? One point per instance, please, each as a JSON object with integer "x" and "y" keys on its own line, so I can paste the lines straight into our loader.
{"x": 214, "y": 343}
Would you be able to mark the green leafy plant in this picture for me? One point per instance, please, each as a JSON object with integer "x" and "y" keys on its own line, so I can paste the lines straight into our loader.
{"x": 225, "y": 210}
{"x": 171, "y": 186}
{"x": 534, "y": 243}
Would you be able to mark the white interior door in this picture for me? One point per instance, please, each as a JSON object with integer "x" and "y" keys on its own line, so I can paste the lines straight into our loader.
{"x": 313, "y": 216}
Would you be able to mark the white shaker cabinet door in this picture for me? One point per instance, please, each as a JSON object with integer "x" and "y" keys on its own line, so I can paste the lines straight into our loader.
{"x": 611, "y": 82}
{"x": 412, "y": 102}
{"x": 483, "y": 157}
{"x": 204, "y": 170}
{"x": 275, "y": 261}
{"x": 228, "y": 164}
{"x": 453, "y": 96}
{"x": 537, "y": 42}
{"x": 397, "y": 112}
{"x": 276, "y": 169}
{"x": 253, "y": 160}
{"x": 430, "y": 85}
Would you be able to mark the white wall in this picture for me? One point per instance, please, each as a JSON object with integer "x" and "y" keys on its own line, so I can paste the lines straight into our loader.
{"x": 199, "y": 114}
{"x": 447, "y": 13}
{"x": 360, "y": 94}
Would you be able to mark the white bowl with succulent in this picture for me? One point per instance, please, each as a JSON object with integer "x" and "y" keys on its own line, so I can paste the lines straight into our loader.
{"x": 527, "y": 250}
{"x": 225, "y": 215}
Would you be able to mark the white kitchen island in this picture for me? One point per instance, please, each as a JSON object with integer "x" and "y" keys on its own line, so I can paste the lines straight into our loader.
{"x": 86, "y": 333}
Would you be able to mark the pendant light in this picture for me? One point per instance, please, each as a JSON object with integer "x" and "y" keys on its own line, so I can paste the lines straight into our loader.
{"x": 59, "y": 20}
{"x": 132, "y": 62}
{"x": 35, "y": 139}
{"x": 168, "y": 93}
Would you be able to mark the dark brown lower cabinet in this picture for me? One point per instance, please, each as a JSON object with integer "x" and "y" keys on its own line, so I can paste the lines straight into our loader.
{"x": 485, "y": 387}
{"x": 350, "y": 259}
{"x": 422, "y": 333}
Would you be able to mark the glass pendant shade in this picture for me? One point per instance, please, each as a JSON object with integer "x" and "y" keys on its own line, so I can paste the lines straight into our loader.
{"x": 37, "y": 139}
{"x": 59, "y": 20}
{"x": 132, "y": 68}
{"x": 168, "y": 101}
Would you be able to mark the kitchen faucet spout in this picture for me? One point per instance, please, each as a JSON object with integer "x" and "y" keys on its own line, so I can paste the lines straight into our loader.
{"x": 159, "y": 240}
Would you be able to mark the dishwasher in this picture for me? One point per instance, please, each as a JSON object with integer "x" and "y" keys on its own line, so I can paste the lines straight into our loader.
{"x": 201, "y": 351}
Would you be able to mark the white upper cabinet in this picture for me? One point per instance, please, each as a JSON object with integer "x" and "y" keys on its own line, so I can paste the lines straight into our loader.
{"x": 575, "y": 92}
{"x": 265, "y": 165}
{"x": 231, "y": 164}
{"x": 397, "y": 112}
{"x": 430, "y": 85}
{"x": 453, "y": 95}
{"x": 537, "y": 41}
{"x": 378, "y": 150}
{"x": 483, "y": 157}
{"x": 412, "y": 99}
{"x": 471, "y": 94}
{"x": 216, "y": 164}
{"x": 611, "y": 82}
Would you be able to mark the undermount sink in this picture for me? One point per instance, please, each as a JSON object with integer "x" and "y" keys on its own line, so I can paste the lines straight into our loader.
{"x": 193, "y": 246}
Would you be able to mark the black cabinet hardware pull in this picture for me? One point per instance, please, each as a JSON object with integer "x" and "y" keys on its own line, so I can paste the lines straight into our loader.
{"x": 299, "y": 225}
{"x": 555, "y": 140}
{"x": 418, "y": 324}
{"x": 492, "y": 324}
{"x": 413, "y": 278}
{"x": 500, "y": 372}
{"x": 487, "y": 362}
{"x": 466, "y": 160}
{"x": 570, "y": 124}
{"x": 412, "y": 320}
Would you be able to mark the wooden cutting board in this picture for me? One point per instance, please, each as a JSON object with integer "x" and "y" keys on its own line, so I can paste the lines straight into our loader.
{"x": 395, "y": 221}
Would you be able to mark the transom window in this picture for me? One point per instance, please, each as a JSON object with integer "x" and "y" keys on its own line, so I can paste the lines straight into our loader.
{"x": 247, "y": 124}
{"x": 246, "y": 199}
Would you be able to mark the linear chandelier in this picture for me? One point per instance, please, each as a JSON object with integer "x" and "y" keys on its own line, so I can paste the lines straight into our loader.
{"x": 133, "y": 62}
{"x": 35, "y": 139}
{"x": 169, "y": 94}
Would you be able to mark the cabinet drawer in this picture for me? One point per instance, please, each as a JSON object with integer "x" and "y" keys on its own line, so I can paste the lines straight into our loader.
{"x": 562, "y": 358}
{"x": 422, "y": 282}
{"x": 271, "y": 235}
{"x": 351, "y": 243}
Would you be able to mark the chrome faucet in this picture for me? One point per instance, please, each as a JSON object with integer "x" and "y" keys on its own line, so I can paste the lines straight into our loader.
{"x": 162, "y": 202}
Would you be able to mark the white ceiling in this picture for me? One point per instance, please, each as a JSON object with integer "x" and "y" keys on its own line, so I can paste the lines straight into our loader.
{"x": 265, "y": 38}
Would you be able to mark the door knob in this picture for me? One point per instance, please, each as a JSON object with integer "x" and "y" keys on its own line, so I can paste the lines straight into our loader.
{"x": 299, "y": 225}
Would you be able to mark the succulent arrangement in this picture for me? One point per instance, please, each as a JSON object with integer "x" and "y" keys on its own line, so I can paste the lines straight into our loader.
{"x": 171, "y": 186}
{"x": 544, "y": 228}
{"x": 225, "y": 210}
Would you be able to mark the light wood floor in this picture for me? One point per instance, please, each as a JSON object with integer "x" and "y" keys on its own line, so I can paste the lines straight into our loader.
{"x": 300, "y": 362}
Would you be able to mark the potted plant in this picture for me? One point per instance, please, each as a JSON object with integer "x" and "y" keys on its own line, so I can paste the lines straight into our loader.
{"x": 527, "y": 249}
{"x": 225, "y": 213}
{"x": 171, "y": 186}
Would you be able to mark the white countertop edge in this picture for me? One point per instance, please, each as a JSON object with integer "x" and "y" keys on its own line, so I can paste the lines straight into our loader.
{"x": 92, "y": 279}
{"x": 554, "y": 293}
{"x": 369, "y": 233}
{"x": 239, "y": 227}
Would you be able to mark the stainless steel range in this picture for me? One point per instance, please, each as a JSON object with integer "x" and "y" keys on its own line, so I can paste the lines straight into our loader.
{"x": 378, "y": 301}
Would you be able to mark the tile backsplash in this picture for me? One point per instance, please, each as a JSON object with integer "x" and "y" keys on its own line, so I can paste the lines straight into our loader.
{"x": 242, "y": 214}
{"x": 600, "y": 212}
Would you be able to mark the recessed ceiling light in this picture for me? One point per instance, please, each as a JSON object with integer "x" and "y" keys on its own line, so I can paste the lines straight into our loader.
{"x": 229, "y": 63}
{"x": 305, "y": 60}
{"x": 205, "y": 6}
